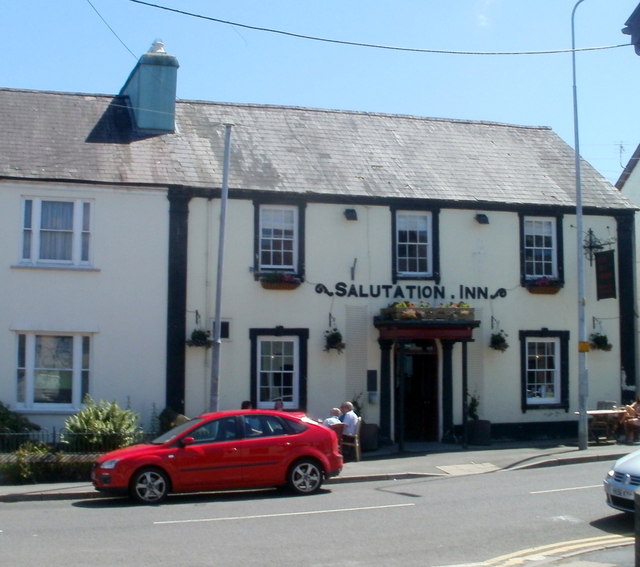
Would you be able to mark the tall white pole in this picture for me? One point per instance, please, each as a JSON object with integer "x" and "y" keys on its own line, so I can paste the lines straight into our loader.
{"x": 583, "y": 371}
{"x": 217, "y": 328}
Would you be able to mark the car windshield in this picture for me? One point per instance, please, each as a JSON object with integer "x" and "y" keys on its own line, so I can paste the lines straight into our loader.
{"x": 175, "y": 431}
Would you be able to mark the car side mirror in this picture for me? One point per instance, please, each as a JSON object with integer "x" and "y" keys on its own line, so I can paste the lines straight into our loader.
{"x": 186, "y": 441}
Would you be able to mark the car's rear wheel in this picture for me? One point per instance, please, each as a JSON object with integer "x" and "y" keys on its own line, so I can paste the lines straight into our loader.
{"x": 305, "y": 477}
{"x": 149, "y": 486}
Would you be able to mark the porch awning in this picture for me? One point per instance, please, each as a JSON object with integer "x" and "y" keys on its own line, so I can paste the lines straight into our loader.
{"x": 425, "y": 329}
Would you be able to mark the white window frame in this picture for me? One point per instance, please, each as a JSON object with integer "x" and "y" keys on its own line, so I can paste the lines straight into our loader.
{"x": 414, "y": 217}
{"x": 275, "y": 392}
{"x": 541, "y": 228}
{"x": 541, "y": 396}
{"x": 81, "y": 232}
{"x": 26, "y": 369}
{"x": 294, "y": 239}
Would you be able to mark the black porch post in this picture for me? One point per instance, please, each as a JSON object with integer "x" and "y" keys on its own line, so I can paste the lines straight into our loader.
{"x": 447, "y": 390}
{"x": 385, "y": 390}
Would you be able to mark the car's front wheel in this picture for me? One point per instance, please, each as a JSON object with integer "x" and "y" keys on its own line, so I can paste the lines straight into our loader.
{"x": 149, "y": 486}
{"x": 305, "y": 477}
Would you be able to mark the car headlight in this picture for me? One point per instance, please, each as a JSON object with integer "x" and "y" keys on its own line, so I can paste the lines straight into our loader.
{"x": 110, "y": 464}
{"x": 611, "y": 473}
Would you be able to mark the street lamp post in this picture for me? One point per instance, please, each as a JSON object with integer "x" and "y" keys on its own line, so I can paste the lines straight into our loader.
{"x": 217, "y": 327}
{"x": 583, "y": 371}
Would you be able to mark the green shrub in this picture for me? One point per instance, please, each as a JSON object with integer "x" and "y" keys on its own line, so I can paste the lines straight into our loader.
{"x": 101, "y": 426}
{"x": 34, "y": 462}
{"x": 22, "y": 470}
{"x": 12, "y": 422}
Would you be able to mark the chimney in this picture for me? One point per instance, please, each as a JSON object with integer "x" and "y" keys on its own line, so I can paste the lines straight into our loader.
{"x": 151, "y": 91}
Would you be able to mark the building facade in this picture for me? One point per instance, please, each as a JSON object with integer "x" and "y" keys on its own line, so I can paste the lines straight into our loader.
{"x": 416, "y": 239}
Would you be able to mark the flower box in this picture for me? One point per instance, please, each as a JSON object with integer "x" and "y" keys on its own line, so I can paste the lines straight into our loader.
{"x": 279, "y": 285}
{"x": 544, "y": 286}
{"x": 279, "y": 280}
{"x": 544, "y": 289}
{"x": 427, "y": 313}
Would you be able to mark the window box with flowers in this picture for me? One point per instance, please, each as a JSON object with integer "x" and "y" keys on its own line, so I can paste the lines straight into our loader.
{"x": 279, "y": 280}
{"x": 200, "y": 338}
{"x": 545, "y": 286}
{"x": 499, "y": 341}
{"x": 333, "y": 340}
{"x": 599, "y": 341}
{"x": 408, "y": 310}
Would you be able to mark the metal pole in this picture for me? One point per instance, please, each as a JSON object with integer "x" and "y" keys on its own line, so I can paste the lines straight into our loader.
{"x": 583, "y": 371}
{"x": 215, "y": 354}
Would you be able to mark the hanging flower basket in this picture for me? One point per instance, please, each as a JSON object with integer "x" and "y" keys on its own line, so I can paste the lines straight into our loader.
{"x": 333, "y": 340}
{"x": 599, "y": 341}
{"x": 279, "y": 280}
{"x": 200, "y": 338}
{"x": 499, "y": 341}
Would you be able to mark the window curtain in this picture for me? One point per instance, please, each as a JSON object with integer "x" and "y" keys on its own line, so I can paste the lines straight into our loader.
{"x": 56, "y": 230}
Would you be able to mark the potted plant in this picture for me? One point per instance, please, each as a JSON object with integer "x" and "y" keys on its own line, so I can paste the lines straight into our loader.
{"x": 279, "y": 280}
{"x": 333, "y": 340}
{"x": 599, "y": 341}
{"x": 478, "y": 430}
{"x": 499, "y": 341}
{"x": 200, "y": 338}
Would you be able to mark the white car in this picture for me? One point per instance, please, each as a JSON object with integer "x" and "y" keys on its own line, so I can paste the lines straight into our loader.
{"x": 622, "y": 481}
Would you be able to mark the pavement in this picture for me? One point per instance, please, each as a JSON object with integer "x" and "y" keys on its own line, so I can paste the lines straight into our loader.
{"x": 423, "y": 460}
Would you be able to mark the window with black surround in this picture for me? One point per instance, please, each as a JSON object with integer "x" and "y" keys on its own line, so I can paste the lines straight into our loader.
{"x": 541, "y": 251}
{"x": 414, "y": 244}
{"x": 279, "y": 239}
{"x": 544, "y": 369}
{"x": 279, "y": 367}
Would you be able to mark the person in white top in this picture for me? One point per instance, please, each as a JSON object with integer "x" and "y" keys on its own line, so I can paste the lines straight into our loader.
{"x": 349, "y": 418}
{"x": 333, "y": 419}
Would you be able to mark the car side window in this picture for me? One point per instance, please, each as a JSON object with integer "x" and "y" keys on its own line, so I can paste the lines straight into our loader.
{"x": 263, "y": 426}
{"x": 216, "y": 431}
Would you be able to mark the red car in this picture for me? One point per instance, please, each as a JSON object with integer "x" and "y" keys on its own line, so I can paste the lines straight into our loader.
{"x": 221, "y": 451}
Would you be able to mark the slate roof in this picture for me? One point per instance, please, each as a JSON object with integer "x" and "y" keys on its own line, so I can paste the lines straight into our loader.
{"x": 65, "y": 136}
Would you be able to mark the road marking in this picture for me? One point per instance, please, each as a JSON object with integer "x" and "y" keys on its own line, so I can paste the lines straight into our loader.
{"x": 566, "y": 489}
{"x": 470, "y": 468}
{"x": 260, "y": 516}
{"x": 560, "y": 549}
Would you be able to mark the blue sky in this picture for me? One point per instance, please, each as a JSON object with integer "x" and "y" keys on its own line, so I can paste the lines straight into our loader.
{"x": 66, "y": 46}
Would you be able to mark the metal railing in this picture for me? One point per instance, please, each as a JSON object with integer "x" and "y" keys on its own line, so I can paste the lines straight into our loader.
{"x": 62, "y": 440}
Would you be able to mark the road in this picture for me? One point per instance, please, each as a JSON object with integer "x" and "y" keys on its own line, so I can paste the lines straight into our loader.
{"x": 435, "y": 521}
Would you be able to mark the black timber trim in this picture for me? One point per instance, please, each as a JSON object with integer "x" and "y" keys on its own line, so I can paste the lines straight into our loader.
{"x": 435, "y": 242}
{"x": 177, "y": 297}
{"x": 280, "y": 331}
{"x": 564, "y": 369}
{"x": 301, "y": 206}
{"x": 559, "y": 243}
{"x": 627, "y": 301}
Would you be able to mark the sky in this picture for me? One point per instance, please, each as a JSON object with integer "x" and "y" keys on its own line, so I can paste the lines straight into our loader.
{"x": 91, "y": 46}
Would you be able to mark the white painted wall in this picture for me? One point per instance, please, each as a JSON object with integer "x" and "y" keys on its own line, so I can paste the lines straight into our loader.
{"x": 471, "y": 255}
{"x": 121, "y": 302}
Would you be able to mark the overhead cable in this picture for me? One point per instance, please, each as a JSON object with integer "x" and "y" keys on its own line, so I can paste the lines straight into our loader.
{"x": 369, "y": 45}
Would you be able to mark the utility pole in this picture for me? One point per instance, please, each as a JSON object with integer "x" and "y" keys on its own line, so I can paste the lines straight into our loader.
{"x": 217, "y": 327}
{"x": 583, "y": 345}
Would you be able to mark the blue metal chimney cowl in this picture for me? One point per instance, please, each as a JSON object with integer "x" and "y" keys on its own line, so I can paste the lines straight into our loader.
{"x": 151, "y": 91}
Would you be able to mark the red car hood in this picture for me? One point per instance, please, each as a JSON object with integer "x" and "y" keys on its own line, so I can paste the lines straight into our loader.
{"x": 127, "y": 452}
